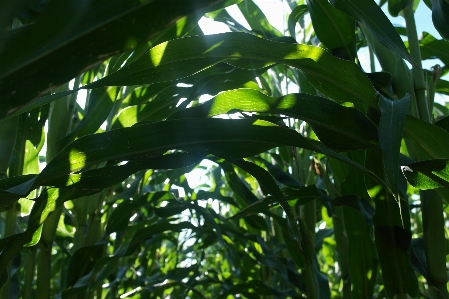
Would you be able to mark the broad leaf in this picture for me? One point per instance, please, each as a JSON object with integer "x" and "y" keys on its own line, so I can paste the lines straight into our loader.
{"x": 338, "y": 127}
{"x": 298, "y": 12}
{"x": 428, "y": 174}
{"x": 86, "y": 34}
{"x": 371, "y": 15}
{"x": 268, "y": 184}
{"x": 440, "y": 17}
{"x": 340, "y": 80}
{"x": 335, "y": 29}
{"x": 391, "y": 126}
{"x": 396, "y": 6}
{"x": 433, "y": 48}
{"x": 433, "y": 140}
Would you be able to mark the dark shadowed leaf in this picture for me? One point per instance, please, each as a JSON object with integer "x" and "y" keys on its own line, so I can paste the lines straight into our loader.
{"x": 440, "y": 17}
{"x": 336, "y": 30}
{"x": 87, "y": 35}
{"x": 391, "y": 126}
{"x": 371, "y": 15}
{"x": 338, "y": 79}
{"x": 338, "y": 127}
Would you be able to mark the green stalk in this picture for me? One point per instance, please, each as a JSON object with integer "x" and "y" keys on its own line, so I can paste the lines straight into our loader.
{"x": 415, "y": 52}
{"x": 431, "y": 203}
{"x": 10, "y": 225}
{"x": 371, "y": 60}
{"x": 29, "y": 273}
{"x": 94, "y": 231}
{"x": 342, "y": 250}
{"x": 15, "y": 161}
{"x": 434, "y": 242}
{"x": 59, "y": 124}
{"x": 436, "y": 74}
{"x": 44, "y": 277}
{"x": 8, "y": 133}
{"x": 308, "y": 220}
{"x": 80, "y": 218}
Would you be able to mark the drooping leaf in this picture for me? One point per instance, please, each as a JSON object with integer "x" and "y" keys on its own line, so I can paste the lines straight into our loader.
{"x": 301, "y": 196}
{"x": 335, "y": 29}
{"x": 392, "y": 233}
{"x": 391, "y": 126}
{"x": 257, "y": 20}
{"x": 101, "y": 101}
{"x": 112, "y": 175}
{"x": 358, "y": 204}
{"x": 338, "y": 79}
{"x": 90, "y": 33}
{"x": 338, "y": 127}
{"x": 395, "y": 6}
{"x": 440, "y": 17}
{"x": 418, "y": 257}
{"x": 371, "y": 15}
{"x": 361, "y": 253}
{"x": 44, "y": 206}
{"x": 433, "y": 139}
{"x": 429, "y": 174}
{"x": 298, "y": 12}
{"x": 432, "y": 48}
{"x": 268, "y": 184}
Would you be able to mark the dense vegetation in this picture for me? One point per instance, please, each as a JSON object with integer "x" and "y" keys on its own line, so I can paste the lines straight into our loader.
{"x": 320, "y": 177}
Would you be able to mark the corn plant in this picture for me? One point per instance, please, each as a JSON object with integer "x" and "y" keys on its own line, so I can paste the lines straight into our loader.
{"x": 316, "y": 176}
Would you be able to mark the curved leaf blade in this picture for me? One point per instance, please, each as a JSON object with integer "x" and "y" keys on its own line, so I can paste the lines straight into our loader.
{"x": 334, "y": 28}
{"x": 370, "y": 14}
{"x": 92, "y": 34}
{"x": 429, "y": 174}
{"x": 338, "y": 127}
{"x": 440, "y": 17}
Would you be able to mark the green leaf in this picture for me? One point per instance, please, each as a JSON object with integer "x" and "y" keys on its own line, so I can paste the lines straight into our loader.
{"x": 371, "y": 15}
{"x": 318, "y": 66}
{"x": 442, "y": 87}
{"x": 89, "y": 255}
{"x": 267, "y": 183}
{"x": 440, "y": 17}
{"x": 340, "y": 80}
{"x": 257, "y": 20}
{"x": 361, "y": 253}
{"x": 8, "y": 133}
{"x": 392, "y": 233}
{"x": 297, "y": 12}
{"x": 280, "y": 176}
{"x": 428, "y": 174}
{"x": 301, "y": 196}
{"x": 101, "y": 101}
{"x": 432, "y": 48}
{"x": 335, "y": 29}
{"x": 418, "y": 257}
{"x": 86, "y": 34}
{"x": 148, "y": 232}
{"x": 391, "y": 126}
{"x": 395, "y": 6}
{"x": 358, "y": 204}
{"x": 433, "y": 140}
{"x": 232, "y": 138}
{"x": 112, "y": 175}
{"x": 43, "y": 207}
{"x": 338, "y": 127}
{"x": 242, "y": 192}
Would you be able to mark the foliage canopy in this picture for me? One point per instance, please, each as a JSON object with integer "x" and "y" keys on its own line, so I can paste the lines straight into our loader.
{"x": 320, "y": 178}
